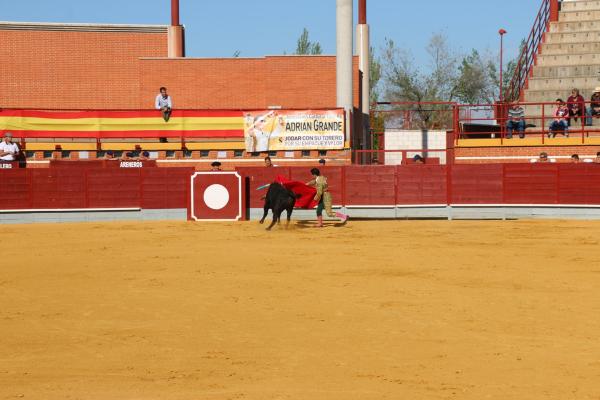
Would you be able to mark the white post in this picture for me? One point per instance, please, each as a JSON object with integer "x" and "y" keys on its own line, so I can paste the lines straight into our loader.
{"x": 363, "y": 49}
{"x": 344, "y": 24}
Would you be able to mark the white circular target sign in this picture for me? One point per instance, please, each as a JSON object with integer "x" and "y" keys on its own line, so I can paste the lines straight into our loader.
{"x": 216, "y": 196}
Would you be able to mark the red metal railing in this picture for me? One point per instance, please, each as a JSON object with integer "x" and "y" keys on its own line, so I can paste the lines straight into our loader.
{"x": 401, "y": 157}
{"x": 472, "y": 121}
{"x": 548, "y": 13}
{"x": 538, "y": 118}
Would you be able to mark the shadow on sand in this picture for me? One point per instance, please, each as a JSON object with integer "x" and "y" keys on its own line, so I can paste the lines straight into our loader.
{"x": 313, "y": 224}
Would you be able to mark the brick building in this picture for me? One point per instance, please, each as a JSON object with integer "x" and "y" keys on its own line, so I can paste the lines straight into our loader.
{"x": 75, "y": 66}
{"x": 121, "y": 67}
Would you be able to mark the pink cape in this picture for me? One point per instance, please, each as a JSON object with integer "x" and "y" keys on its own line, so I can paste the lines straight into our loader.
{"x": 305, "y": 193}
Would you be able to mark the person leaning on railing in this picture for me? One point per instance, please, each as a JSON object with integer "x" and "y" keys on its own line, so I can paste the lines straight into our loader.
{"x": 164, "y": 103}
{"x": 561, "y": 117}
{"x": 516, "y": 121}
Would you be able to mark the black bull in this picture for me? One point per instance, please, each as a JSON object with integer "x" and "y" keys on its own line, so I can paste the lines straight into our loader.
{"x": 278, "y": 198}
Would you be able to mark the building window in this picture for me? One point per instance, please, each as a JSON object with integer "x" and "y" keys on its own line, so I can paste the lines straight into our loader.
{"x": 30, "y": 154}
{"x": 48, "y": 154}
{"x": 305, "y": 153}
{"x": 187, "y": 153}
{"x": 65, "y": 154}
{"x": 238, "y": 153}
{"x": 322, "y": 153}
{"x": 204, "y": 153}
{"x": 170, "y": 154}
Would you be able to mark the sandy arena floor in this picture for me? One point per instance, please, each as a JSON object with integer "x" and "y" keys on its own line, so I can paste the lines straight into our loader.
{"x": 373, "y": 310}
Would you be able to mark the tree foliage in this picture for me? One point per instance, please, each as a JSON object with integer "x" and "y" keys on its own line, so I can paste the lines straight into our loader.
{"x": 404, "y": 82}
{"x": 305, "y": 47}
{"x": 477, "y": 80}
{"x": 374, "y": 75}
{"x": 449, "y": 77}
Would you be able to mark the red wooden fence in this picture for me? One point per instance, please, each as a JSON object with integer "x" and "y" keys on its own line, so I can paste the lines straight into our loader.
{"x": 74, "y": 188}
{"x": 352, "y": 186}
{"x": 490, "y": 184}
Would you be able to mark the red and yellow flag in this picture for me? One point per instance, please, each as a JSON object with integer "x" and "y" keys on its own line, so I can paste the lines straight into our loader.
{"x": 122, "y": 124}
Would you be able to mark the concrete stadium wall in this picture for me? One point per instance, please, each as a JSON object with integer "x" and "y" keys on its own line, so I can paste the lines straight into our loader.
{"x": 398, "y": 139}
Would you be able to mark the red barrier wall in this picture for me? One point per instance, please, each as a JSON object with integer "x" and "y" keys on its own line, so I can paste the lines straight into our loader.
{"x": 479, "y": 185}
{"x": 369, "y": 186}
{"x": 569, "y": 184}
{"x": 421, "y": 184}
{"x": 69, "y": 188}
{"x": 372, "y": 186}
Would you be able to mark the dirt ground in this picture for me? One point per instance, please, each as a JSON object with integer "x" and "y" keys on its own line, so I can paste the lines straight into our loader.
{"x": 373, "y": 310}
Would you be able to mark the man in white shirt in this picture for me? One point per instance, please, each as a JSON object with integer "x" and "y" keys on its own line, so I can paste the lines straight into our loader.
{"x": 8, "y": 150}
{"x": 164, "y": 104}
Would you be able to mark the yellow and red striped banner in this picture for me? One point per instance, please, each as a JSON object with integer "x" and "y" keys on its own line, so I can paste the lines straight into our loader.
{"x": 122, "y": 124}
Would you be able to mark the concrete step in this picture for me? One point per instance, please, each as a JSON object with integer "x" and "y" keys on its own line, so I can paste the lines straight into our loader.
{"x": 573, "y": 16}
{"x": 573, "y": 37}
{"x": 570, "y": 48}
{"x": 566, "y": 72}
{"x": 565, "y": 84}
{"x": 549, "y": 95}
{"x": 580, "y": 5}
{"x": 566, "y": 60}
{"x": 579, "y": 26}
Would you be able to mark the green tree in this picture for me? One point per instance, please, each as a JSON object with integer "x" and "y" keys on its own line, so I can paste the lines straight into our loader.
{"x": 305, "y": 47}
{"x": 374, "y": 75}
{"x": 509, "y": 73}
{"x": 403, "y": 82}
{"x": 476, "y": 82}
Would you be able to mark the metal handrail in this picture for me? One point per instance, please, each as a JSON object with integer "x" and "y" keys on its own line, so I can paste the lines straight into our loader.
{"x": 548, "y": 13}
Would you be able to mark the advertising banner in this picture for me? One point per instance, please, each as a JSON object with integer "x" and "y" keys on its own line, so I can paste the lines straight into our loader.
{"x": 294, "y": 130}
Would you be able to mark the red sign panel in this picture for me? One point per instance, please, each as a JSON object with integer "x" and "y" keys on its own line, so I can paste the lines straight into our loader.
{"x": 216, "y": 196}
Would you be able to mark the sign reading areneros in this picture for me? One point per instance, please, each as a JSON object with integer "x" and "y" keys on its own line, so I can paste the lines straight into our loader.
{"x": 294, "y": 130}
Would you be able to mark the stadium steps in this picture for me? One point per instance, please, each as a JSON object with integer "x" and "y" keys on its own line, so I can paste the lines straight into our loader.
{"x": 580, "y": 5}
{"x": 573, "y": 71}
{"x": 568, "y": 59}
{"x": 576, "y": 16}
{"x": 575, "y": 26}
{"x": 573, "y": 37}
{"x": 570, "y": 48}
{"x": 569, "y": 56}
{"x": 565, "y": 85}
